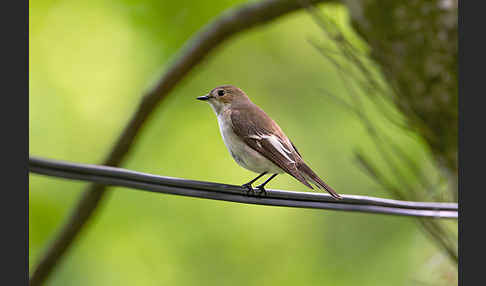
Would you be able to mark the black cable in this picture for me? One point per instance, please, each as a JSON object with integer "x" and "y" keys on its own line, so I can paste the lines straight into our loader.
{"x": 126, "y": 178}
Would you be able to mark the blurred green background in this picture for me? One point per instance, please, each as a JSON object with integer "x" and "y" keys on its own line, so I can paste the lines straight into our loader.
{"x": 90, "y": 63}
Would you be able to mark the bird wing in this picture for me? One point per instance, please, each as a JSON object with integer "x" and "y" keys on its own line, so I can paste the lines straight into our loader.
{"x": 262, "y": 134}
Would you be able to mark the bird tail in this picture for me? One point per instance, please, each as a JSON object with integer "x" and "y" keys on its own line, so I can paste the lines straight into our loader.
{"x": 311, "y": 176}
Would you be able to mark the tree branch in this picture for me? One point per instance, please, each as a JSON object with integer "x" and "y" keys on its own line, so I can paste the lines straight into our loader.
{"x": 229, "y": 23}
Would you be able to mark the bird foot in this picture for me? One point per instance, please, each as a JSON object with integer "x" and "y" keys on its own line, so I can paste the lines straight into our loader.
{"x": 262, "y": 191}
{"x": 249, "y": 189}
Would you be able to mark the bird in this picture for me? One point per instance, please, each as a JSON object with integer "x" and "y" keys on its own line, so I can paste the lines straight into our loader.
{"x": 256, "y": 142}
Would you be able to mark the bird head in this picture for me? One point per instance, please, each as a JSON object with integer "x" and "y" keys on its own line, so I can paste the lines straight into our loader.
{"x": 223, "y": 97}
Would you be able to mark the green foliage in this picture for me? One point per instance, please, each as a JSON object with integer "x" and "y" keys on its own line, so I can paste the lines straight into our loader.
{"x": 90, "y": 63}
{"x": 419, "y": 57}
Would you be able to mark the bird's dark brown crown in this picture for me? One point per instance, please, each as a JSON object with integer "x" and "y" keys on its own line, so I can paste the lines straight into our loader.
{"x": 227, "y": 93}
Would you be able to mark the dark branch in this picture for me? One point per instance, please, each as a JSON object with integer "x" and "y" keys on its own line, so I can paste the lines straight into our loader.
{"x": 137, "y": 180}
{"x": 196, "y": 49}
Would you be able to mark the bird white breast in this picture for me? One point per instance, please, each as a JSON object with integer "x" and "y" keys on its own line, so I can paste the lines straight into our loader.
{"x": 243, "y": 154}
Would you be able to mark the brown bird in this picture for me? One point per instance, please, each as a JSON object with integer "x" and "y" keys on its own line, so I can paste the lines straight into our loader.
{"x": 256, "y": 142}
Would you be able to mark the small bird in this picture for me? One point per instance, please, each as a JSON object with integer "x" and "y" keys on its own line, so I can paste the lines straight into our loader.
{"x": 256, "y": 142}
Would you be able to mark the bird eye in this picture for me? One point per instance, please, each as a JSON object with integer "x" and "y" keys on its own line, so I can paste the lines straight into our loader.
{"x": 220, "y": 92}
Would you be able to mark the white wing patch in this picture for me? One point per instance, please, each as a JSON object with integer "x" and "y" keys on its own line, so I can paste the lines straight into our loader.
{"x": 278, "y": 145}
{"x": 275, "y": 143}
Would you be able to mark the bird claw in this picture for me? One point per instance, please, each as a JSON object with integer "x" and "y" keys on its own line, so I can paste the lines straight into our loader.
{"x": 262, "y": 191}
{"x": 249, "y": 189}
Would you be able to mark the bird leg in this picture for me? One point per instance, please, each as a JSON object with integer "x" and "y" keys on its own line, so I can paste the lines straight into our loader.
{"x": 261, "y": 187}
{"x": 248, "y": 187}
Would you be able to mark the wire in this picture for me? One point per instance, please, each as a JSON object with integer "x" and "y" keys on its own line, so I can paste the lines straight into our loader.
{"x": 113, "y": 176}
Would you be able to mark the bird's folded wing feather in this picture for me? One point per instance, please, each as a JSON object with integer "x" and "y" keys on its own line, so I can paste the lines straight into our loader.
{"x": 259, "y": 131}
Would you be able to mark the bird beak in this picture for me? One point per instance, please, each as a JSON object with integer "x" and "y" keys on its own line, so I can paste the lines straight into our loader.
{"x": 204, "y": 97}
